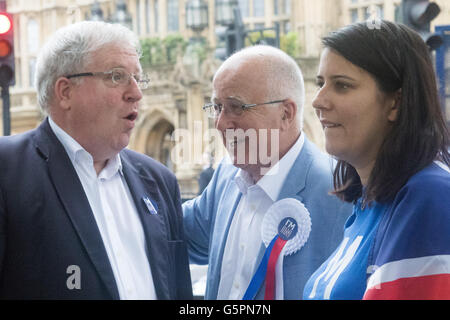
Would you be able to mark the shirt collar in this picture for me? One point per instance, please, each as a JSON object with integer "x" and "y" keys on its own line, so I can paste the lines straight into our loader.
{"x": 243, "y": 181}
{"x": 77, "y": 154}
{"x": 273, "y": 180}
{"x": 113, "y": 166}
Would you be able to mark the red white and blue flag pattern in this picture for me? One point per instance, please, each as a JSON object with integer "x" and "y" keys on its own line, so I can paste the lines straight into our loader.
{"x": 411, "y": 279}
{"x": 399, "y": 250}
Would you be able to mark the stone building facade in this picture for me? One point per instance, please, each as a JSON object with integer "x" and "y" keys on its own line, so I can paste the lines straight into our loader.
{"x": 172, "y": 104}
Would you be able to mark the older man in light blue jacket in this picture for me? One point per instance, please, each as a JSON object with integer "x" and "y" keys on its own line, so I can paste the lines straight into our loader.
{"x": 259, "y": 92}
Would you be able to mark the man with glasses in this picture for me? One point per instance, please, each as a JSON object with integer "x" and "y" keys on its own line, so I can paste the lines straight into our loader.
{"x": 257, "y": 104}
{"x": 81, "y": 216}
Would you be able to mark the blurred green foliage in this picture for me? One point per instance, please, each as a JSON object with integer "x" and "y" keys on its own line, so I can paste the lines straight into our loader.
{"x": 289, "y": 43}
{"x": 157, "y": 51}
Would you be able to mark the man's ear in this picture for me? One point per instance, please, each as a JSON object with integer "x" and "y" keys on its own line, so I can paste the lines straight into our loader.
{"x": 289, "y": 113}
{"x": 63, "y": 92}
{"x": 395, "y": 106}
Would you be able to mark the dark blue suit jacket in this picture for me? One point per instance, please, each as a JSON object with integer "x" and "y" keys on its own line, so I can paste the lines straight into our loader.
{"x": 46, "y": 224}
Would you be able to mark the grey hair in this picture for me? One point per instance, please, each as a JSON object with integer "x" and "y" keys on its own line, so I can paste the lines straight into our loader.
{"x": 284, "y": 76}
{"x": 69, "y": 50}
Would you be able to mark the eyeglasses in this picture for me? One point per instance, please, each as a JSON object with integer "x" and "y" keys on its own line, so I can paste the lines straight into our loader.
{"x": 235, "y": 107}
{"x": 117, "y": 77}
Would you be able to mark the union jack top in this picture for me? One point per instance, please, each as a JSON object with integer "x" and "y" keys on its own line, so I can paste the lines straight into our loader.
{"x": 399, "y": 250}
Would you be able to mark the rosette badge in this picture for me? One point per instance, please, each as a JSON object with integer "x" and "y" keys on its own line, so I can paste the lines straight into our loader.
{"x": 290, "y": 220}
{"x": 285, "y": 230}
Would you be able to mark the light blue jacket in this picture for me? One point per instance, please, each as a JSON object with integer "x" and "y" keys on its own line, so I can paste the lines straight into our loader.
{"x": 208, "y": 217}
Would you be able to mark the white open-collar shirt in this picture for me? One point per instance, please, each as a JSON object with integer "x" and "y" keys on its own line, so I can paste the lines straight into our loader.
{"x": 117, "y": 219}
{"x": 244, "y": 238}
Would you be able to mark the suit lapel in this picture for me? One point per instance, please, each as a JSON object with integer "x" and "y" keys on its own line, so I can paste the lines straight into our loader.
{"x": 71, "y": 194}
{"x": 224, "y": 216}
{"x": 142, "y": 186}
{"x": 294, "y": 187}
{"x": 296, "y": 179}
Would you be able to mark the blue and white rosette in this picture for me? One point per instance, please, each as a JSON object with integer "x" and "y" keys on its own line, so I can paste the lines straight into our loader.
{"x": 285, "y": 229}
{"x": 279, "y": 212}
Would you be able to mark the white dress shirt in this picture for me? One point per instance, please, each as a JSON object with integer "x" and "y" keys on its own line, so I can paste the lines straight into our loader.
{"x": 117, "y": 219}
{"x": 244, "y": 238}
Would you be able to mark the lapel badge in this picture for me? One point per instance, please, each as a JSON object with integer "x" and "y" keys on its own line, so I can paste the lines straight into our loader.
{"x": 150, "y": 205}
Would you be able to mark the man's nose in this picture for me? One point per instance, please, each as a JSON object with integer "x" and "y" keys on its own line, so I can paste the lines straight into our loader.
{"x": 133, "y": 92}
{"x": 224, "y": 120}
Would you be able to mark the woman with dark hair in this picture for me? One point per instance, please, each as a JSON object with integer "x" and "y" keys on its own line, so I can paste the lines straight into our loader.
{"x": 378, "y": 104}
